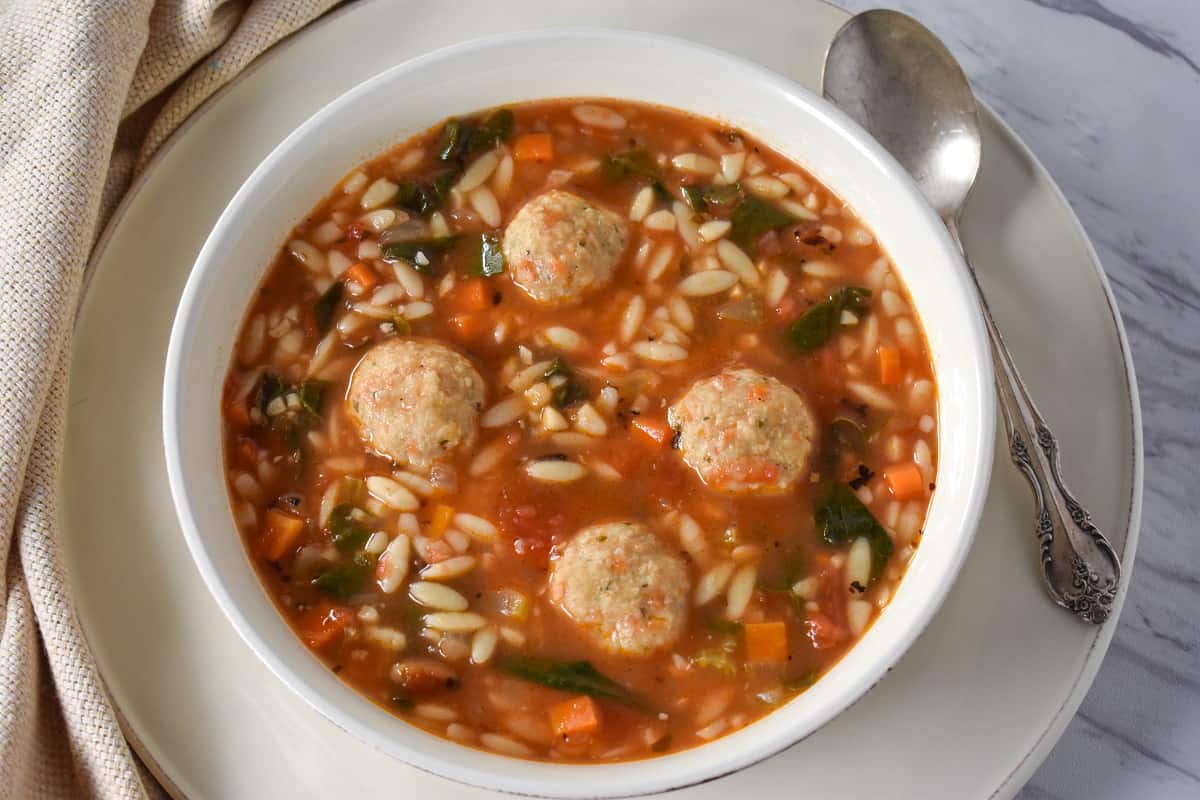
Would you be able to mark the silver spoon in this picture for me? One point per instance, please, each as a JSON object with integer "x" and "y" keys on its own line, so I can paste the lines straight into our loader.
{"x": 897, "y": 80}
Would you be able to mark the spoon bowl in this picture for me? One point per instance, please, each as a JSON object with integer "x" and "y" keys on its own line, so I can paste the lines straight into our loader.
{"x": 886, "y": 70}
{"x": 895, "y": 78}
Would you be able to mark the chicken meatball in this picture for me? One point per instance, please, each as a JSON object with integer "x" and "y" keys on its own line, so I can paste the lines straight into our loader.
{"x": 743, "y": 432}
{"x": 415, "y": 401}
{"x": 558, "y": 246}
{"x": 619, "y": 584}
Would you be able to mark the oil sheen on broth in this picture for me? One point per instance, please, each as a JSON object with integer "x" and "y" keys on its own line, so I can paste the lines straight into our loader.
{"x": 580, "y": 430}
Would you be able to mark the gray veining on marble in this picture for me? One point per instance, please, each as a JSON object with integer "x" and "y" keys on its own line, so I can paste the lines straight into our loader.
{"x": 1107, "y": 94}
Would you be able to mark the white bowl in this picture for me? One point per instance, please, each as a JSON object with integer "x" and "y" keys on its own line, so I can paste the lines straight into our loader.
{"x": 417, "y": 94}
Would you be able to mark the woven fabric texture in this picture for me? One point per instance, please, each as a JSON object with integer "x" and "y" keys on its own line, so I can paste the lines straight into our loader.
{"x": 88, "y": 92}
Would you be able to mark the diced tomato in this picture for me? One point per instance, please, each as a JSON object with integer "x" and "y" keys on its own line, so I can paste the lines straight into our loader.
{"x": 655, "y": 429}
{"x": 823, "y": 631}
{"x": 321, "y": 625}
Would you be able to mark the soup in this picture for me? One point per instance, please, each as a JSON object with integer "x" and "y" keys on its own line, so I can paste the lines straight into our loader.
{"x": 580, "y": 430}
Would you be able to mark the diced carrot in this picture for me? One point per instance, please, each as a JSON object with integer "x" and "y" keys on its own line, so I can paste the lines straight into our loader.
{"x": 655, "y": 429}
{"x": 280, "y": 534}
{"x": 533, "y": 147}
{"x": 766, "y": 642}
{"x": 442, "y": 514}
{"x": 574, "y": 717}
{"x": 889, "y": 365}
{"x": 905, "y": 480}
{"x": 361, "y": 274}
{"x": 473, "y": 295}
{"x": 323, "y": 624}
{"x": 469, "y": 326}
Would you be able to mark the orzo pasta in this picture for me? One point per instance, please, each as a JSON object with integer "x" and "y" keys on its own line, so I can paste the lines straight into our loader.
{"x": 581, "y": 430}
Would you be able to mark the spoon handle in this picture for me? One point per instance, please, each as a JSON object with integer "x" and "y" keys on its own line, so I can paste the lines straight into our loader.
{"x": 1079, "y": 566}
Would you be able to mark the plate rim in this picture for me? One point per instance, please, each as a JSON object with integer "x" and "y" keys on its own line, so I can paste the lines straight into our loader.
{"x": 1024, "y": 768}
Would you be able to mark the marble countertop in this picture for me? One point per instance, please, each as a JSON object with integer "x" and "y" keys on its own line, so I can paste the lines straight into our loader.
{"x": 1107, "y": 93}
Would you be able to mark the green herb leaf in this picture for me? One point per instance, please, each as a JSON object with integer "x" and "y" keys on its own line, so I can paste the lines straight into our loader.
{"x": 752, "y": 218}
{"x": 725, "y": 627}
{"x": 494, "y": 130}
{"x": 715, "y": 658}
{"x": 451, "y": 140}
{"x": 631, "y": 162}
{"x": 801, "y": 682}
{"x": 401, "y": 326}
{"x": 637, "y": 163}
{"x": 489, "y": 261}
{"x": 780, "y": 574}
{"x": 557, "y": 367}
{"x": 421, "y": 255}
{"x": 848, "y": 434}
{"x": 841, "y": 518}
{"x": 312, "y": 395}
{"x": 348, "y": 533}
{"x": 725, "y": 195}
{"x": 694, "y": 197}
{"x": 702, "y": 198}
{"x": 570, "y": 393}
{"x": 569, "y": 676}
{"x": 424, "y": 198}
{"x": 345, "y": 580}
{"x": 270, "y": 387}
{"x": 326, "y": 305}
{"x": 818, "y": 324}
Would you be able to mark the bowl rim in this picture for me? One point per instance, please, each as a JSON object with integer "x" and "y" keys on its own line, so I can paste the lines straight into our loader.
{"x": 569, "y": 778}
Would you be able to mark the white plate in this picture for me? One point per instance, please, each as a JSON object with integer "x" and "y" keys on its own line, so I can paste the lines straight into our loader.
{"x": 969, "y": 712}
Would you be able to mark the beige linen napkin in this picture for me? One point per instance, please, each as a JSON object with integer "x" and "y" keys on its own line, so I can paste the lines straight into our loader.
{"x": 89, "y": 89}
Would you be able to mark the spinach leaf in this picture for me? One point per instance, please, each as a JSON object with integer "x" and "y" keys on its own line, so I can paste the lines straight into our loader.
{"x": 703, "y": 198}
{"x": 801, "y": 682}
{"x": 569, "y": 676}
{"x": 312, "y": 394}
{"x": 494, "y": 130}
{"x": 557, "y": 367}
{"x": 638, "y": 163}
{"x": 270, "y": 387}
{"x": 419, "y": 255}
{"x": 451, "y": 140}
{"x": 726, "y": 627}
{"x": 817, "y": 325}
{"x": 326, "y": 305}
{"x": 488, "y": 260}
{"x": 754, "y": 217}
{"x": 841, "y": 518}
{"x": 345, "y": 580}
{"x": 570, "y": 391}
{"x": 781, "y": 574}
{"x": 694, "y": 197}
{"x": 425, "y": 197}
{"x": 347, "y": 532}
{"x": 849, "y": 434}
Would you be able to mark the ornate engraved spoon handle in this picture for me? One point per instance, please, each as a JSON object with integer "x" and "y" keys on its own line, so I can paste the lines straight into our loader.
{"x": 1080, "y": 569}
